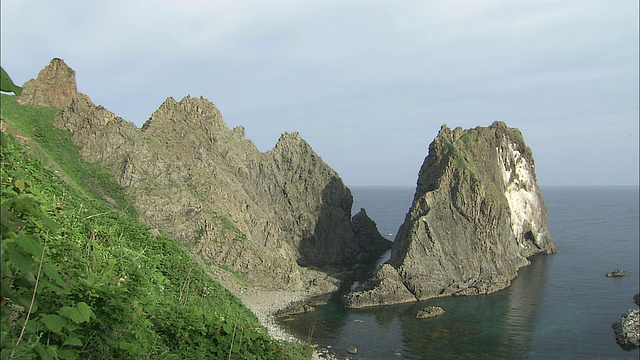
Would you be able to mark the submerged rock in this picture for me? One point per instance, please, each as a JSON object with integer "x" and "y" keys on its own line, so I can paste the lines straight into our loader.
{"x": 477, "y": 215}
{"x": 627, "y": 329}
{"x": 429, "y": 312}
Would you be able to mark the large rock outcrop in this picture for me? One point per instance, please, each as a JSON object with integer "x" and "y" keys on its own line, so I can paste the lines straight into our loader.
{"x": 477, "y": 215}
{"x": 55, "y": 87}
{"x": 272, "y": 217}
{"x": 627, "y": 329}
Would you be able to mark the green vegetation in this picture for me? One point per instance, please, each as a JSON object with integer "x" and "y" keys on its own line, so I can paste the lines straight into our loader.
{"x": 81, "y": 278}
{"x": 6, "y": 84}
{"x": 56, "y": 146}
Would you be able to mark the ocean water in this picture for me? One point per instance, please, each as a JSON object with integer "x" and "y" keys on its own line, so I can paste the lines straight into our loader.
{"x": 560, "y": 307}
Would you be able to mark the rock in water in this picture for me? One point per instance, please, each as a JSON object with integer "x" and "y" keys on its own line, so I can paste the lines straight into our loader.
{"x": 429, "y": 312}
{"x": 617, "y": 273}
{"x": 627, "y": 329}
{"x": 477, "y": 215}
{"x": 385, "y": 287}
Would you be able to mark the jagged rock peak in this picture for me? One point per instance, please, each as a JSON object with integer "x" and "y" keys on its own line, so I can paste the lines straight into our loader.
{"x": 191, "y": 119}
{"x": 55, "y": 87}
{"x": 292, "y": 150}
{"x": 287, "y": 139}
{"x": 477, "y": 215}
{"x": 188, "y": 110}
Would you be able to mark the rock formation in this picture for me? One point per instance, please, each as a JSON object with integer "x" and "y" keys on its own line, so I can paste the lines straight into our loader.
{"x": 617, "y": 273}
{"x": 627, "y": 329}
{"x": 367, "y": 235}
{"x": 55, "y": 87}
{"x": 477, "y": 215}
{"x": 429, "y": 312}
{"x": 272, "y": 217}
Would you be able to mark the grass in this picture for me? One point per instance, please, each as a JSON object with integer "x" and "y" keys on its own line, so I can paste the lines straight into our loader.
{"x": 63, "y": 154}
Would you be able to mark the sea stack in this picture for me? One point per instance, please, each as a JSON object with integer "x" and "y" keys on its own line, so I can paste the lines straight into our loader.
{"x": 477, "y": 215}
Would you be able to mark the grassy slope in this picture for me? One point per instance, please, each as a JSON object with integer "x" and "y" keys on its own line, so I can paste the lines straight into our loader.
{"x": 106, "y": 288}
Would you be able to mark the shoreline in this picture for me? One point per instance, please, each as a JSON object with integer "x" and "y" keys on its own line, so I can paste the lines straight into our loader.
{"x": 266, "y": 303}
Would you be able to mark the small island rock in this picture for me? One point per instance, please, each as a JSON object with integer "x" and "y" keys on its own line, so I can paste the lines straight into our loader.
{"x": 617, "y": 273}
{"x": 429, "y": 312}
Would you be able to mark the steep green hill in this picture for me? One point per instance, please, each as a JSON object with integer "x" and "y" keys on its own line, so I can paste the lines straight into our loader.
{"x": 83, "y": 278}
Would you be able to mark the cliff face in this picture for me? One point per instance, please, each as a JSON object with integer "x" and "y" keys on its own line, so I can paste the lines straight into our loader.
{"x": 265, "y": 216}
{"x": 477, "y": 215}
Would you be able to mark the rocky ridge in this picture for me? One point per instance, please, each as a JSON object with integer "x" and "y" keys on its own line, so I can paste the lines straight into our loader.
{"x": 277, "y": 219}
{"x": 477, "y": 215}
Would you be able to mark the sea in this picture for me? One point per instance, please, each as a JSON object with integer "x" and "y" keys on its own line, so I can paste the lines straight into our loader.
{"x": 559, "y": 307}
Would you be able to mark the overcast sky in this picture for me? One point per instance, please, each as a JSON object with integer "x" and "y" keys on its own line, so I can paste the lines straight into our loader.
{"x": 367, "y": 83}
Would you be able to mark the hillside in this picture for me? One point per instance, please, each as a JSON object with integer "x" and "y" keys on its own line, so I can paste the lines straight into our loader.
{"x": 281, "y": 219}
{"x": 83, "y": 278}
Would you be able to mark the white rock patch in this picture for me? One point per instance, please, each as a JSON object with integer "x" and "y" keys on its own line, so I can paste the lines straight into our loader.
{"x": 519, "y": 181}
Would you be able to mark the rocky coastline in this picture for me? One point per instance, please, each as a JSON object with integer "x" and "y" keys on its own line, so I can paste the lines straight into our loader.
{"x": 274, "y": 227}
{"x": 281, "y": 220}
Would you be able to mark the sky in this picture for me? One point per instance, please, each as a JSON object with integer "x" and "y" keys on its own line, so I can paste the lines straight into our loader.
{"x": 367, "y": 84}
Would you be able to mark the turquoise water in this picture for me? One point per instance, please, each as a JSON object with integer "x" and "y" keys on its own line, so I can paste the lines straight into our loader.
{"x": 561, "y": 306}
